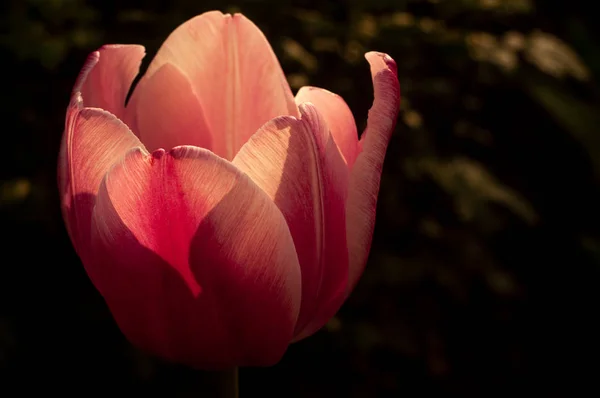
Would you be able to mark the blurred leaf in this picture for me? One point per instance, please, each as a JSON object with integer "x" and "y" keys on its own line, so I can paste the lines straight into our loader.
{"x": 14, "y": 191}
{"x": 575, "y": 116}
{"x": 471, "y": 186}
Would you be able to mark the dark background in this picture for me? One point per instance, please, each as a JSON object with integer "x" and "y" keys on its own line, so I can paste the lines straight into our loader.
{"x": 483, "y": 277}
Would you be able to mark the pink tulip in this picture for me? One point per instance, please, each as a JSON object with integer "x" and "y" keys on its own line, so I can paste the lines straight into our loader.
{"x": 252, "y": 226}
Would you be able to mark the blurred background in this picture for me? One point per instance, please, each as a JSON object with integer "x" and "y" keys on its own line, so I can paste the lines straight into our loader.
{"x": 483, "y": 277}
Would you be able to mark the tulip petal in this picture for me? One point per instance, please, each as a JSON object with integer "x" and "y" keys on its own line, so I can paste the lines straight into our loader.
{"x": 106, "y": 78}
{"x": 168, "y": 113}
{"x": 297, "y": 163}
{"x": 338, "y": 116}
{"x": 366, "y": 173}
{"x": 92, "y": 142}
{"x": 234, "y": 72}
{"x": 195, "y": 262}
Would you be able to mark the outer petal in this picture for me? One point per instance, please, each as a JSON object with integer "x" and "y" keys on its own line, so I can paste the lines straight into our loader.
{"x": 169, "y": 114}
{"x": 338, "y": 116}
{"x": 107, "y": 76}
{"x": 234, "y": 72}
{"x": 366, "y": 172}
{"x": 194, "y": 260}
{"x": 299, "y": 166}
{"x": 92, "y": 141}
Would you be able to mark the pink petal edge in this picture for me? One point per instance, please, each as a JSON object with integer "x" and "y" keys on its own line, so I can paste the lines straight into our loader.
{"x": 93, "y": 140}
{"x": 297, "y": 163}
{"x": 366, "y": 173}
{"x": 338, "y": 116}
{"x": 107, "y": 75}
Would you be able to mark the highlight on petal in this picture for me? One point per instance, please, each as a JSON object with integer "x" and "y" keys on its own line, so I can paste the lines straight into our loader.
{"x": 234, "y": 72}
{"x": 92, "y": 142}
{"x": 106, "y": 77}
{"x": 338, "y": 116}
{"x": 168, "y": 113}
{"x": 366, "y": 173}
{"x": 195, "y": 261}
{"x": 297, "y": 163}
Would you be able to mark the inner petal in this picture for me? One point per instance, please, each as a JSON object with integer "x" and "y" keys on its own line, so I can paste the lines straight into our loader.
{"x": 168, "y": 113}
{"x": 234, "y": 73}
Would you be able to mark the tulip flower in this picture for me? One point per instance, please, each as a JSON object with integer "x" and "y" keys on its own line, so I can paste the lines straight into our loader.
{"x": 220, "y": 218}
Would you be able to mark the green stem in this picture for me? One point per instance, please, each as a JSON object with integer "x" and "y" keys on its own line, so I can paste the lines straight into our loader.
{"x": 229, "y": 383}
{"x": 223, "y": 384}
{"x": 236, "y": 383}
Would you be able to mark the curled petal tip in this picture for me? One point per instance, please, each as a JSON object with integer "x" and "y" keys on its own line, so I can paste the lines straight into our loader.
{"x": 366, "y": 172}
{"x": 386, "y": 85}
{"x": 380, "y": 61}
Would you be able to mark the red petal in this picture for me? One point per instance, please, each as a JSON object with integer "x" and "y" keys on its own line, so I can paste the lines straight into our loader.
{"x": 299, "y": 166}
{"x": 194, "y": 260}
{"x": 366, "y": 172}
